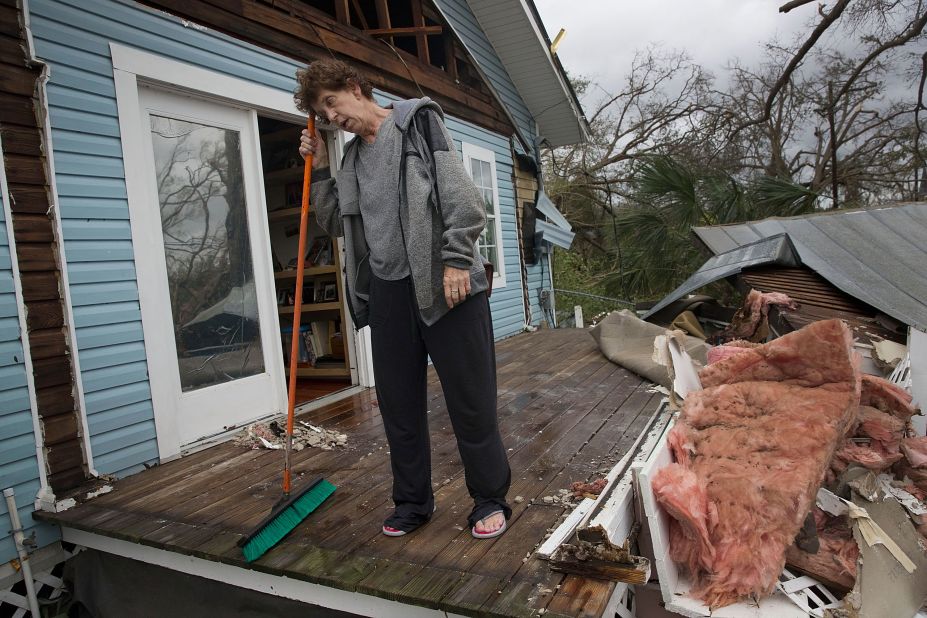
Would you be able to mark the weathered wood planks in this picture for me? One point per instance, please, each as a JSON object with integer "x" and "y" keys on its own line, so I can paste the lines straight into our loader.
{"x": 565, "y": 412}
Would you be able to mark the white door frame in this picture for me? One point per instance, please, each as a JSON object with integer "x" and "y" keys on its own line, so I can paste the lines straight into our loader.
{"x": 130, "y": 68}
{"x": 208, "y": 410}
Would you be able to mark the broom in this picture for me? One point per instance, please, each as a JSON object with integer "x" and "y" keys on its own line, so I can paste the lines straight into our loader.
{"x": 293, "y": 508}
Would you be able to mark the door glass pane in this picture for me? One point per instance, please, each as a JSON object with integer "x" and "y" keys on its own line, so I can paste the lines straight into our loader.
{"x": 207, "y": 249}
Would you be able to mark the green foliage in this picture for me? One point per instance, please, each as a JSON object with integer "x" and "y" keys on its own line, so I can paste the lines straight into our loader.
{"x": 668, "y": 199}
{"x": 575, "y": 272}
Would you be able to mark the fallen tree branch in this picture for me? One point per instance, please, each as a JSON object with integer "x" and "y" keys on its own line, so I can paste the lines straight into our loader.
{"x": 915, "y": 28}
{"x": 827, "y": 19}
{"x": 794, "y": 4}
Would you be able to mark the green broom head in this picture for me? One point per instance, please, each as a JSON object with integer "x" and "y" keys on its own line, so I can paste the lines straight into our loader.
{"x": 284, "y": 518}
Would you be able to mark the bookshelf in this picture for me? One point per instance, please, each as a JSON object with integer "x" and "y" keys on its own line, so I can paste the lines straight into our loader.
{"x": 323, "y": 352}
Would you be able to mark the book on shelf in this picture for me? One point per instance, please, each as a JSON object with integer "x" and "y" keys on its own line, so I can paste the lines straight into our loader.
{"x": 320, "y": 338}
{"x": 306, "y": 354}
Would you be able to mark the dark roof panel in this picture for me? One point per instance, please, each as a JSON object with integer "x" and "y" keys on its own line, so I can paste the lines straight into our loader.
{"x": 776, "y": 250}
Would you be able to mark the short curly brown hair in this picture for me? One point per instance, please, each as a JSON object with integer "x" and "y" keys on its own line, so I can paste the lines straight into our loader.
{"x": 327, "y": 74}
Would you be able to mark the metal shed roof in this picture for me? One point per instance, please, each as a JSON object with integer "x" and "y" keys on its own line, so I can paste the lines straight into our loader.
{"x": 774, "y": 250}
{"x": 876, "y": 255}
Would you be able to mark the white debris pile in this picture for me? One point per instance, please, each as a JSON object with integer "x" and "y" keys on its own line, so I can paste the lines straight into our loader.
{"x": 273, "y": 436}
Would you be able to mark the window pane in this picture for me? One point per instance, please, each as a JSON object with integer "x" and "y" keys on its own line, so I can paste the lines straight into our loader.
{"x": 475, "y": 171}
{"x": 487, "y": 174}
{"x": 207, "y": 250}
{"x": 487, "y": 202}
{"x": 489, "y": 233}
{"x": 493, "y": 256}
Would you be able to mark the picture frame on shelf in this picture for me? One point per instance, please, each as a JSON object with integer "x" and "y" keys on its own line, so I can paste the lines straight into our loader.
{"x": 319, "y": 253}
{"x": 330, "y": 291}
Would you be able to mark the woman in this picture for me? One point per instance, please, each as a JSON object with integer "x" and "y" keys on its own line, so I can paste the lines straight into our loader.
{"x": 410, "y": 217}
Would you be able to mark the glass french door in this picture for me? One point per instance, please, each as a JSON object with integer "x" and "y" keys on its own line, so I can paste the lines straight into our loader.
{"x": 209, "y": 310}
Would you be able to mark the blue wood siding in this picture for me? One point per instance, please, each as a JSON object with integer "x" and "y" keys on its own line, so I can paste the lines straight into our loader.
{"x": 73, "y": 37}
{"x": 467, "y": 28}
{"x": 19, "y": 466}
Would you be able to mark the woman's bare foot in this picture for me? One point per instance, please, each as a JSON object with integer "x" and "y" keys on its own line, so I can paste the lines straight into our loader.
{"x": 490, "y": 524}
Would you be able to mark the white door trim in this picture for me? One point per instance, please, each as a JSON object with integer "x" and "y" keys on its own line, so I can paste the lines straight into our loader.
{"x": 169, "y": 438}
{"x": 207, "y": 84}
{"x": 130, "y": 66}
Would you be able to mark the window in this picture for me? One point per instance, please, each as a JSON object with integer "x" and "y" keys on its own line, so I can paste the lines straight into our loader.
{"x": 481, "y": 165}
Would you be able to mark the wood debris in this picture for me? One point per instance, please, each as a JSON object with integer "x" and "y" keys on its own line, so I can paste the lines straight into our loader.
{"x": 273, "y": 436}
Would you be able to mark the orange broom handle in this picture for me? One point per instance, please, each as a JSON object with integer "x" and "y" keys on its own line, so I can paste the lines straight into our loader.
{"x": 297, "y": 310}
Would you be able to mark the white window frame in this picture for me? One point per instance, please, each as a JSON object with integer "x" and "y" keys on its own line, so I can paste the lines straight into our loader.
{"x": 470, "y": 152}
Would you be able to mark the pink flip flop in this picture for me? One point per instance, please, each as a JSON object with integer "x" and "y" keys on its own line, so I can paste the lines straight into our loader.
{"x": 390, "y": 531}
{"x": 489, "y": 535}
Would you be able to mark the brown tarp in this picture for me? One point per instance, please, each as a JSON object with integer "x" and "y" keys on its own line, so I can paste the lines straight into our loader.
{"x": 627, "y": 340}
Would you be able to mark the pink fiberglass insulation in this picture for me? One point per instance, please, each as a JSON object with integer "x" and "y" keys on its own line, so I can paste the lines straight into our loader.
{"x": 915, "y": 451}
{"x": 873, "y": 456}
{"x": 914, "y": 464}
{"x": 750, "y": 321}
{"x": 881, "y": 427}
{"x": 835, "y": 560}
{"x": 721, "y": 352}
{"x": 887, "y": 397}
{"x": 758, "y": 438}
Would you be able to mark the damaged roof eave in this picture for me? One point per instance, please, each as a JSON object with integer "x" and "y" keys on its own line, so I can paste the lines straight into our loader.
{"x": 514, "y": 29}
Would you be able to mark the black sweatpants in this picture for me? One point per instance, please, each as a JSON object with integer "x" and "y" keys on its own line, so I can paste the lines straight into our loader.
{"x": 461, "y": 347}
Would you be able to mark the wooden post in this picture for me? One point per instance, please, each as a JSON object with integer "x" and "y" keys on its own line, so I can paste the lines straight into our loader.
{"x": 342, "y": 12}
{"x": 421, "y": 41}
{"x": 578, "y": 312}
{"x": 383, "y": 21}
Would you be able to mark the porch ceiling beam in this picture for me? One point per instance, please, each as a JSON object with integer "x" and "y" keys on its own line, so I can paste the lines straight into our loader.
{"x": 298, "y": 31}
{"x": 360, "y": 14}
{"x": 420, "y": 31}
{"x": 383, "y": 16}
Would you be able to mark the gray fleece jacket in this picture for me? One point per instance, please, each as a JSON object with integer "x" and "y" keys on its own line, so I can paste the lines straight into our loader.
{"x": 441, "y": 211}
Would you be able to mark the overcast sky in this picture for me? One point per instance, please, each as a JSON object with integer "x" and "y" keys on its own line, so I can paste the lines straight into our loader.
{"x": 602, "y": 35}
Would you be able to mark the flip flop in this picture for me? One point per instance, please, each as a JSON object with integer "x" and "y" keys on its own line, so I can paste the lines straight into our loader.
{"x": 489, "y": 535}
{"x": 390, "y": 531}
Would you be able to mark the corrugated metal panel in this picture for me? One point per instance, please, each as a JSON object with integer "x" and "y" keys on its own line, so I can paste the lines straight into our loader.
{"x": 804, "y": 286}
{"x": 19, "y": 466}
{"x": 554, "y": 234}
{"x": 73, "y": 36}
{"x": 874, "y": 255}
{"x": 775, "y": 250}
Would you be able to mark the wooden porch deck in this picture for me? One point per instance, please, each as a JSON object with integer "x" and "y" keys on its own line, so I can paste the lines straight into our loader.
{"x": 566, "y": 414}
